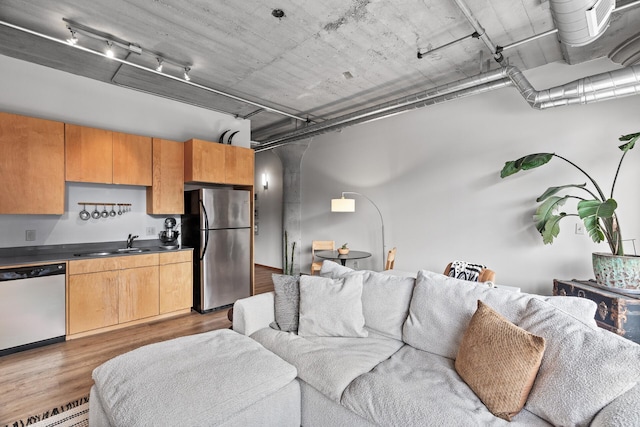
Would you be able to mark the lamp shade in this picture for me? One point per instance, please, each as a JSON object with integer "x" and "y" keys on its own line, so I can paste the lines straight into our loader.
{"x": 343, "y": 205}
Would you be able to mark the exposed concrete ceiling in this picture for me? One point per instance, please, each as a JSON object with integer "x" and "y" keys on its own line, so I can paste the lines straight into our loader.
{"x": 319, "y": 61}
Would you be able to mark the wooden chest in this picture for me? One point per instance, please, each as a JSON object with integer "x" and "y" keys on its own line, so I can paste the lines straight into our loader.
{"x": 617, "y": 312}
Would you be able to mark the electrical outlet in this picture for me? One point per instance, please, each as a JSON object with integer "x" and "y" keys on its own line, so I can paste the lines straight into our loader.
{"x": 30, "y": 235}
{"x": 579, "y": 228}
{"x": 151, "y": 231}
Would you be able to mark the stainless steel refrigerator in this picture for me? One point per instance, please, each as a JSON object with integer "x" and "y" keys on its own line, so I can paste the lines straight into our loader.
{"x": 217, "y": 224}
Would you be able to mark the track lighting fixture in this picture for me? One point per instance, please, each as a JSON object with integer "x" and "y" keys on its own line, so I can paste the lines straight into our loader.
{"x": 109, "y": 51}
{"x": 73, "y": 39}
{"x": 186, "y": 73}
{"x": 159, "y": 67}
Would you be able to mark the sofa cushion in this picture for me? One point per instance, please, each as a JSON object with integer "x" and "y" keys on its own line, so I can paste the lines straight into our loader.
{"x": 499, "y": 361}
{"x": 331, "y": 307}
{"x": 441, "y": 308}
{"x": 385, "y": 302}
{"x": 416, "y": 388}
{"x": 287, "y": 302}
{"x": 328, "y": 364}
{"x": 334, "y": 270}
{"x": 583, "y": 369}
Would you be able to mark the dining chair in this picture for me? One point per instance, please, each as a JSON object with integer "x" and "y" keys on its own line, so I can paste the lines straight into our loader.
{"x": 320, "y": 245}
{"x": 391, "y": 259}
{"x": 469, "y": 271}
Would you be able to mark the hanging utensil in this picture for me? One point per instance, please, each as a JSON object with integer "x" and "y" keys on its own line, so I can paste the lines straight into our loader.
{"x": 113, "y": 212}
{"x": 119, "y": 209}
{"x": 96, "y": 213}
{"x": 84, "y": 213}
{"x": 105, "y": 213}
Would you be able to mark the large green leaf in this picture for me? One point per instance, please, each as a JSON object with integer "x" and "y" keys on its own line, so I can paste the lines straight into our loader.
{"x": 524, "y": 163}
{"x": 551, "y": 228}
{"x": 553, "y": 190}
{"x": 545, "y": 211}
{"x": 631, "y": 141}
{"x": 590, "y": 211}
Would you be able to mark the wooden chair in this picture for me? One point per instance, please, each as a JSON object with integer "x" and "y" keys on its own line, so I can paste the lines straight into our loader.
{"x": 486, "y": 275}
{"x": 320, "y": 245}
{"x": 391, "y": 259}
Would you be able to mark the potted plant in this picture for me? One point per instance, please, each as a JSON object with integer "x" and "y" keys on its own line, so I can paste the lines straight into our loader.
{"x": 343, "y": 250}
{"x": 595, "y": 209}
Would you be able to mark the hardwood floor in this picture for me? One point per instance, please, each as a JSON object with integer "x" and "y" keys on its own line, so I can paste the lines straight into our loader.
{"x": 37, "y": 380}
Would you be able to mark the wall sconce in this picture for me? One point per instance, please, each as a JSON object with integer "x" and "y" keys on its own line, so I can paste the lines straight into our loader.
{"x": 265, "y": 181}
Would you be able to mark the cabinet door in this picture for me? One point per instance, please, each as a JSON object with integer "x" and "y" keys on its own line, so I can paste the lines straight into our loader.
{"x": 204, "y": 161}
{"x": 131, "y": 159}
{"x": 176, "y": 287}
{"x": 93, "y": 301}
{"x": 31, "y": 165}
{"x": 138, "y": 293}
{"x": 89, "y": 154}
{"x": 239, "y": 165}
{"x": 166, "y": 194}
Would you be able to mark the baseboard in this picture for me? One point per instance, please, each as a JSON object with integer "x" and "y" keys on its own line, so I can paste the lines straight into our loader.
{"x": 279, "y": 270}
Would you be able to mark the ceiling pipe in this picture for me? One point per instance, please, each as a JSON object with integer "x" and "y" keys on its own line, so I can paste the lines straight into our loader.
{"x": 600, "y": 87}
{"x": 496, "y": 51}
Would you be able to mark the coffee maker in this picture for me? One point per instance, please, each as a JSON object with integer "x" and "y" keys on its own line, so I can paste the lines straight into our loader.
{"x": 169, "y": 235}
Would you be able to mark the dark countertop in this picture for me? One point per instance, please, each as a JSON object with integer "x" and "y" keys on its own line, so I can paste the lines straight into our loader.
{"x": 26, "y": 255}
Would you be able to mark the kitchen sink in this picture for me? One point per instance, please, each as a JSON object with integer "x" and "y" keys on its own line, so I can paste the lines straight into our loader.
{"x": 114, "y": 252}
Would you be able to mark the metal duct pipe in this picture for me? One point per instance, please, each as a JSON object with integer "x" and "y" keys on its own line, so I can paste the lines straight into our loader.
{"x": 600, "y": 87}
{"x": 380, "y": 110}
{"x": 579, "y": 22}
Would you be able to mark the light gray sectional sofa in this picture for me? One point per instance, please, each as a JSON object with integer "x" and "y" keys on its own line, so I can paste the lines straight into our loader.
{"x": 395, "y": 364}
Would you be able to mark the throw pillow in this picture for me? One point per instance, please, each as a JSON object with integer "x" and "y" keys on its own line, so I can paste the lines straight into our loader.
{"x": 385, "y": 303}
{"x": 287, "y": 302}
{"x": 334, "y": 270}
{"x": 331, "y": 307}
{"x": 499, "y": 361}
{"x": 583, "y": 369}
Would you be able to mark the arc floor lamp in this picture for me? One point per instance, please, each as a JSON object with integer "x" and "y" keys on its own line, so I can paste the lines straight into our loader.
{"x": 349, "y": 205}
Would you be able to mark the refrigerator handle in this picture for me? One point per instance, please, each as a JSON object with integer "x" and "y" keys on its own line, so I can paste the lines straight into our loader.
{"x": 206, "y": 227}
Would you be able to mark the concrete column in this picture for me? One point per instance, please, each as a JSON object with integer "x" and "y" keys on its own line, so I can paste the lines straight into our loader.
{"x": 291, "y": 158}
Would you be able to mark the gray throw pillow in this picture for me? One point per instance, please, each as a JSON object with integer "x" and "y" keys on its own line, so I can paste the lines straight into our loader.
{"x": 287, "y": 302}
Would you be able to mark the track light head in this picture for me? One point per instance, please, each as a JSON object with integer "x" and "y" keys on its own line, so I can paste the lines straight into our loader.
{"x": 186, "y": 73}
{"x": 73, "y": 40}
{"x": 109, "y": 51}
{"x": 159, "y": 67}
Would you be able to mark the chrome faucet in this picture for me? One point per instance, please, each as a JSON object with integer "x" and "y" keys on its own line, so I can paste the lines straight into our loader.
{"x": 130, "y": 241}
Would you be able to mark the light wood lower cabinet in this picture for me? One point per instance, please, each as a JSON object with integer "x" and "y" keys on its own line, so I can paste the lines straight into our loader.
{"x": 112, "y": 292}
{"x": 176, "y": 281}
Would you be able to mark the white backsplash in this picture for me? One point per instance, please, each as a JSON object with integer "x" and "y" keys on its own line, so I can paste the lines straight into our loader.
{"x": 69, "y": 228}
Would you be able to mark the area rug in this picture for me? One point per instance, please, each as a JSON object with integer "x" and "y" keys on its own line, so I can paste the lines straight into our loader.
{"x": 72, "y": 414}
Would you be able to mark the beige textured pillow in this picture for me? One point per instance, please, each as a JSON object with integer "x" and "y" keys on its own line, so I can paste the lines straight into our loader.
{"x": 499, "y": 361}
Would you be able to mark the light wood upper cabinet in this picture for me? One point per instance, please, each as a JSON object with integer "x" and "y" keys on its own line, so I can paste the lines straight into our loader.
{"x": 89, "y": 154}
{"x": 239, "y": 165}
{"x": 106, "y": 157}
{"x": 166, "y": 194}
{"x": 211, "y": 162}
{"x": 31, "y": 165}
{"x": 132, "y": 162}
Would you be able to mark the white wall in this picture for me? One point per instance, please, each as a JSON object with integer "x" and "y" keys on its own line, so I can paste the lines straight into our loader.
{"x": 268, "y": 241}
{"x": 38, "y": 91}
{"x": 434, "y": 173}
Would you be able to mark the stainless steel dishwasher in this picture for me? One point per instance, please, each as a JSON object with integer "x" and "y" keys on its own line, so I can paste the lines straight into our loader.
{"x": 32, "y": 307}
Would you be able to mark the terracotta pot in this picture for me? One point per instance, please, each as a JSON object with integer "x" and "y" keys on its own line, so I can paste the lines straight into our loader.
{"x": 617, "y": 271}
{"x": 343, "y": 251}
